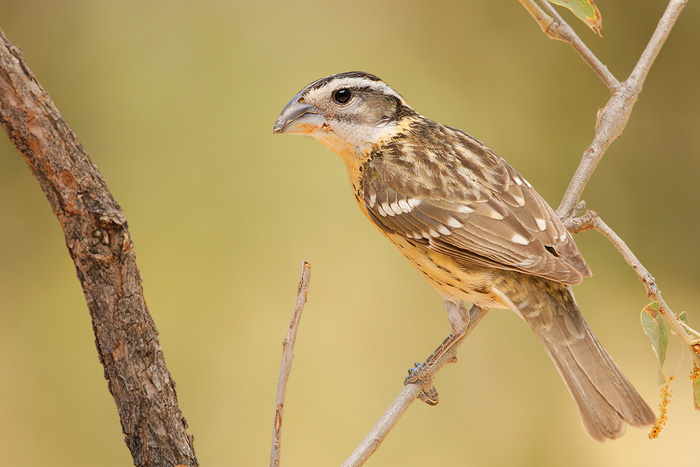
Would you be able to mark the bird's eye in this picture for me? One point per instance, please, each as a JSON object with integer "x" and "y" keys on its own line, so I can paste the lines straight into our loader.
{"x": 342, "y": 96}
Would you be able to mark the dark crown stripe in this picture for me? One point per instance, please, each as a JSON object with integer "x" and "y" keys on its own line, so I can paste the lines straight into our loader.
{"x": 348, "y": 74}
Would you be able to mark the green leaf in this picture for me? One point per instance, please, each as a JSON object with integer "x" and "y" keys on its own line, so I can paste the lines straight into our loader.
{"x": 655, "y": 329}
{"x": 696, "y": 393}
{"x": 683, "y": 316}
{"x": 585, "y": 10}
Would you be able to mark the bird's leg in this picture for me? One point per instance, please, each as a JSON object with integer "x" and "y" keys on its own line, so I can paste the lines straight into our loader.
{"x": 423, "y": 372}
{"x": 461, "y": 322}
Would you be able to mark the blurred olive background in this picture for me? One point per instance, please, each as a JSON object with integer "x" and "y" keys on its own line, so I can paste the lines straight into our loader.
{"x": 175, "y": 102}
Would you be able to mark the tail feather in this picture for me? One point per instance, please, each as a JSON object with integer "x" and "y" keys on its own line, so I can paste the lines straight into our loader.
{"x": 605, "y": 398}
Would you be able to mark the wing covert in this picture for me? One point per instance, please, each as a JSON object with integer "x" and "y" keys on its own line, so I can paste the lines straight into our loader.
{"x": 481, "y": 212}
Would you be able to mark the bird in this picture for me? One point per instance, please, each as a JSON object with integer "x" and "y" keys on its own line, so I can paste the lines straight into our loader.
{"x": 472, "y": 225}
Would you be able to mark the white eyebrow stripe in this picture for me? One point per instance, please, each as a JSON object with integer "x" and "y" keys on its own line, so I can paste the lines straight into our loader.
{"x": 356, "y": 82}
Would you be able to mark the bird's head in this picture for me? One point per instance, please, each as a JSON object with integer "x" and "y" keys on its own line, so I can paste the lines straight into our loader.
{"x": 350, "y": 113}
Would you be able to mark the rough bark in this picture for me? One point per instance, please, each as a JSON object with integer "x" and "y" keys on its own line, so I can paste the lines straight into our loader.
{"x": 98, "y": 240}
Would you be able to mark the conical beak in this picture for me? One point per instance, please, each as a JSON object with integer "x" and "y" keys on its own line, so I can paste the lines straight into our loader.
{"x": 298, "y": 118}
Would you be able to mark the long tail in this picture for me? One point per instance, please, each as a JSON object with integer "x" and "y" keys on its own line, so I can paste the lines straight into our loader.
{"x": 606, "y": 399}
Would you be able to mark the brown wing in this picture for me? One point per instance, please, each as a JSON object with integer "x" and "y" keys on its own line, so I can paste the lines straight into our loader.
{"x": 448, "y": 191}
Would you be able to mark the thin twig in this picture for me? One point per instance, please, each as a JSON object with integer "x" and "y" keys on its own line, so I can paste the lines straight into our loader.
{"x": 639, "y": 74}
{"x": 613, "y": 118}
{"x": 404, "y": 400}
{"x": 691, "y": 331}
{"x": 591, "y": 220}
{"x": 543, "y": 19}
{"x": 556, "y": 28}
{"x": 286, "y": 365}
{"x": 384, "y": 425}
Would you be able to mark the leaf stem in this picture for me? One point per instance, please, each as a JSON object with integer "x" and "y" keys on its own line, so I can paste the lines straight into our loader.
{"x": 556, "y": 28}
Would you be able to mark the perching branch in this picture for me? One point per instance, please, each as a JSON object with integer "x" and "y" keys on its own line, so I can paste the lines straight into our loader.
{"x": 286, "y": 365}
{"x": 99, "y": 243}
{"x": 404, "y": 400}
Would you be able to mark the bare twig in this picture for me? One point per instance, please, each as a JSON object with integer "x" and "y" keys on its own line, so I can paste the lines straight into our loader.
{"x": 591, "y": 220}
{"x": 613, "y": 118}
{"x": 404, "y": 400}
{"x": 383, "y": 426}
{"x": 556, "y": 28}
{"x": 286, "y": 365}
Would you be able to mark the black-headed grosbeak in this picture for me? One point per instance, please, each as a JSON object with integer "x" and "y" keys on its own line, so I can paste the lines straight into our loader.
{"x": 472, "y": 225}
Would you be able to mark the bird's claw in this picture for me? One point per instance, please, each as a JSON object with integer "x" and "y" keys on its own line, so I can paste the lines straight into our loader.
{"x": 422, "y": 374}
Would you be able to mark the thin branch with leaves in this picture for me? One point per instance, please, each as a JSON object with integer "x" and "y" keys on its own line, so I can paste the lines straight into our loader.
{"x": 611, "y": 122}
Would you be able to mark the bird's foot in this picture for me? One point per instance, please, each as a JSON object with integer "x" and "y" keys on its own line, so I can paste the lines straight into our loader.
{"x": 422, "y": 374}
